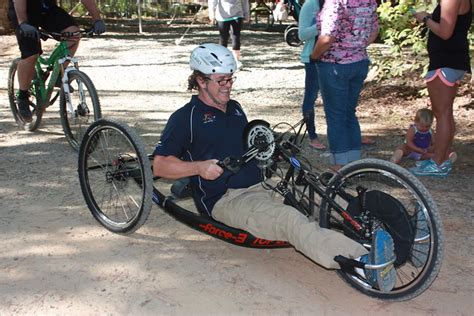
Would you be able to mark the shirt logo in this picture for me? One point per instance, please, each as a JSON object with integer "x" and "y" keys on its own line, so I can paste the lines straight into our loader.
{"x": 208, "y": 118}
{"x": 238, "y": 113}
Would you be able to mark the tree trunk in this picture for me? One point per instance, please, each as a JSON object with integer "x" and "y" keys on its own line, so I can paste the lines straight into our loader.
{"x": 5, "y": 27}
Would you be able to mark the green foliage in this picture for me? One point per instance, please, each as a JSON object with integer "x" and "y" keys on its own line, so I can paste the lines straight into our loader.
{"x": 405, "y": 37}
{"x": 124, "y": 8}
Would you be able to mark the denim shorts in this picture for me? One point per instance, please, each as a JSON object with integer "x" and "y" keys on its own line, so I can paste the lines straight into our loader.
{"x": 448, "y": 76}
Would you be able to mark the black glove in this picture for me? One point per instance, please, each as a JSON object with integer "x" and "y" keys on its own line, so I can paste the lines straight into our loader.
{"x": 28, "y": 30}
{"x": 98, "y": 27}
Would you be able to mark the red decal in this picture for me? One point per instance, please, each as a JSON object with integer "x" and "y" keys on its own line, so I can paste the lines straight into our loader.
{"x": 350, "y": 220}
{"x": 211, "y": 229}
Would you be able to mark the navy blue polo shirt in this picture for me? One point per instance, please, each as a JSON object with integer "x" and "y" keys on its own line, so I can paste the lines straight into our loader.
{"x": 198, "y": 132}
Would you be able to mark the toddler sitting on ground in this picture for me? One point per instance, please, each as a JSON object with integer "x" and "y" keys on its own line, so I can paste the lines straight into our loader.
{"x": 420, "y": 140}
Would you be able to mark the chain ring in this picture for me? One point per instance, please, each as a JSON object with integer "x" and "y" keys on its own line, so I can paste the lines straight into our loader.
{"x": 260, "y": 134}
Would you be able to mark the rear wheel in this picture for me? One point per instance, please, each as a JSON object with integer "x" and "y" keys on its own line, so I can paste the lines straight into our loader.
{"x": 34, "y": 98}
{"x": 85, "y": 107}
{"x": 398, "y": 202}
{"x": 115, "y": 176}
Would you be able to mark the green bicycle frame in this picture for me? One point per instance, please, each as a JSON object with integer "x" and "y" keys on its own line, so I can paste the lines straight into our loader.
{"x": 52, "y": 64}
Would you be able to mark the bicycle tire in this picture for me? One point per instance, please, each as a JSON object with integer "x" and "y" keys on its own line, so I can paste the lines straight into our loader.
{"x": 115, "y": 176}
{"x": 37, "y": 112}
{"x": 75, "y": 124}
{"x": 411, "y": 193}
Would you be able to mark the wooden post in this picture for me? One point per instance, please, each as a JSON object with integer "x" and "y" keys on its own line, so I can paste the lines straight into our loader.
{"x": 139, "y": 9}
{"x": 4, "y": 22}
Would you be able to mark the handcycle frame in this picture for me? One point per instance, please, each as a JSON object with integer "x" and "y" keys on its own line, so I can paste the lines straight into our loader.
{"x": 270, "y": 149}
{"x": 51, "y": 68}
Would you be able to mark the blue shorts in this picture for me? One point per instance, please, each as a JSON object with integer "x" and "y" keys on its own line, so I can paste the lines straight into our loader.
{"x": 448, "y": 76}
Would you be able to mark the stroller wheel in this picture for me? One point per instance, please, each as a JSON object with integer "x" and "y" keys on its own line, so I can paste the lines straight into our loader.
{"x": 291, "y": 36}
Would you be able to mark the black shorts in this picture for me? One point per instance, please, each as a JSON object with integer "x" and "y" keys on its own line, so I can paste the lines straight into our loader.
{"x": 55, "y": 19}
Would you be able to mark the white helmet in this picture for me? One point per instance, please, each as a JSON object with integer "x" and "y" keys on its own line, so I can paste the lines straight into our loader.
{"x": 212, "y": 59}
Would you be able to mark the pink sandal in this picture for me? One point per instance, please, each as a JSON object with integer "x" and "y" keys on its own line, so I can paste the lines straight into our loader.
{"x": 317, "y": 145}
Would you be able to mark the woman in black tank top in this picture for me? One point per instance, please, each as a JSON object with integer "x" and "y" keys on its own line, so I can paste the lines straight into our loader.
{"x": 448, "y": 50}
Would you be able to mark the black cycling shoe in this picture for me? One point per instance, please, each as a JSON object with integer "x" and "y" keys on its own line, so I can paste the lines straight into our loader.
{"x": 24, "y": 110}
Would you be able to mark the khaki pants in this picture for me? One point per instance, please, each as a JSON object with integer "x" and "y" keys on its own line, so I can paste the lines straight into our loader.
{"x": 254, "y": 210}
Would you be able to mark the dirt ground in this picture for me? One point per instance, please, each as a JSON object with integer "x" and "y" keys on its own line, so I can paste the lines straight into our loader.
{"x": 57, "y": 260}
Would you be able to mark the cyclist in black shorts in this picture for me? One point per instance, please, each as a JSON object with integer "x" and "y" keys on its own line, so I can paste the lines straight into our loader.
{"x": 26, "y": 16}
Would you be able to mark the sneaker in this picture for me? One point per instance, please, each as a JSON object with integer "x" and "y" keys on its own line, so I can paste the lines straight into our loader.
{"x": 421, "y": 247}
{"x": 239, "y": 65}
{"x": 448, "y": 164}
{"x": 420, "y": 163}
{"x": 24, "y": 110}
{"x": 453, "y": 156}
{"x": 430, "y": 168}
{"x": 397, "y": 156}
{"x": 382, "y": 251}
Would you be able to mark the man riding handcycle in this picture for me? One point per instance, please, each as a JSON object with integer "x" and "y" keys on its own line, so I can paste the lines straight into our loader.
{"x": 386, "y": 245}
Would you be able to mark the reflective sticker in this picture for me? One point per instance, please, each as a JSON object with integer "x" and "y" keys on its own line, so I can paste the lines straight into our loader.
{"x": 295, "y": 162}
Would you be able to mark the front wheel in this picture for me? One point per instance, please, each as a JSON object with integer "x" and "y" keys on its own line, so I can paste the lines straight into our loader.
{"x": 85, "y": 107}
{"x": 34, "y": 99}
{"x": 378, "y": 193}
{"x": 115, "y": 176}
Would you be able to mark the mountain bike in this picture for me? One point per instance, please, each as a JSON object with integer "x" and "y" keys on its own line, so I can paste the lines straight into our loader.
{"x": 117, "y": 183}
{"x": 78, "y": 100}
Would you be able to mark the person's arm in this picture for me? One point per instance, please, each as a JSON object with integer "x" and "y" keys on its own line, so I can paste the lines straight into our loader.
{"x": 98, "y": 26}
{"x": 20, "y": 10}
{"x": 323, "y": 43}
{"x": 449, "y": 15}
{"x": 375, "y": 29}
{"x": 409, "y": 141}
{"x": 92, "y": 8}
{"x": 26, "y": 29}
{"x": 246, "y": 10}
{"x": 330, "y": 19}
{"x": 212, "y": 10}
{"x": 170, "y": 167}
{"x": 306, "y": 28}
{"x": 373, "y": 37}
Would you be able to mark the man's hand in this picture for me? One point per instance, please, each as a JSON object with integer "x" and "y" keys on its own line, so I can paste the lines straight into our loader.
{"x": 98, "y": 27}
{"x": 29, "y": 31}
{"x": 209, "y": 169}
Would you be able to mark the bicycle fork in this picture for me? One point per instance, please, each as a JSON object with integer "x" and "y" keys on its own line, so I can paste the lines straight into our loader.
{"x": 67, "y": 88}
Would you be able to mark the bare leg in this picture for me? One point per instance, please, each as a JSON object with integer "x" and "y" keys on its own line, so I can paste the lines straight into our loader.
{"x": 26, "y": 72}
{"x": 442, "y": 99}
{"x": 236, "y": 54}
{"x": 73, "y": 42}
{"x": 399, "y": 153}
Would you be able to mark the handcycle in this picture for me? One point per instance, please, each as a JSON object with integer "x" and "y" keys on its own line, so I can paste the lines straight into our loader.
{"x": 118, "y": 186}
{"x": 78, "y": 100}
